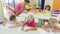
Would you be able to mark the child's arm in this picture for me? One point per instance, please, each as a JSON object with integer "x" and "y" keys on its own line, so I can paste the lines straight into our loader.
{"x": 14, "y": 26}
{"x": 17, "y": 25}
{"x": 5, "y": 21}
{"x": 45, "y": 27}
{"x": 57, "y": 29}
{"x": 22, "y": 27}
{"x": 31, "y": 29}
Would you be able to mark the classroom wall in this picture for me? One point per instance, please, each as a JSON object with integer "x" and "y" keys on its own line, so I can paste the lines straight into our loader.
{"x": 35, "y": 2}
{"x": 1, "y": 17}
{"x": 49, "y": 2}
{"x": 1, "y": 13}
{"x": 56, "y": 5}
{"x": 19, "y": 1}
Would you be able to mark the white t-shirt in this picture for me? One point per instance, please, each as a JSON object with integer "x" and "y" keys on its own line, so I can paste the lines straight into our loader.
{"x": 12, "y": 22}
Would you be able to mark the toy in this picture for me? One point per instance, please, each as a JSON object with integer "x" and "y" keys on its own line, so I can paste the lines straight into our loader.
{"x": 39, "y": 23}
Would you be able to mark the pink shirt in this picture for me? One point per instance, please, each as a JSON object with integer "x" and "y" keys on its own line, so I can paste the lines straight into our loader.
{"x": 19, "y": 8}
{"x": 33, "y": 24}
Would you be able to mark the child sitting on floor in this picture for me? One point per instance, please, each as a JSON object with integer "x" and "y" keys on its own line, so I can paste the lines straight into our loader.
{"x": 30, "y": 23}
{"x": 28, "y": 6}
{"x": 37, "y": 9}
{"x": 14, "y": 22}
{"x": 47, "y": 9}
{"x": 52, "y": 24}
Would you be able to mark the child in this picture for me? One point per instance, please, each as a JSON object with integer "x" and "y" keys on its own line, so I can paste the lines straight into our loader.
{"x": 18, "y": 8}
{"x": 47, "y": 8}
{"x": 28, "y": 6}
{"x": 58, "y": 24}
{"x": 51, "y": 25}
{"x": 14, "y": 22}
{"x": 38, "y": 9}
{"x": 30, "y": 23}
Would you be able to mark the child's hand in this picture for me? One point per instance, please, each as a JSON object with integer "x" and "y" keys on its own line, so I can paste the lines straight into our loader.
{"x": 11, "y": 27}
{"x": 22, "y": 29}
{"x": 53, "y": 30}
{"x": 3, "y": 25}
{"x": 5, "y": 22}
{"x": 56, "y": 30}
{"x": 26, "y": 30}
{"x": 48, "y": 30}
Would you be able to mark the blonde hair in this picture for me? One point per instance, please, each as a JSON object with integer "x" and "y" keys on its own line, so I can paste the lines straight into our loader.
{"x": 52, "y": 20}
{"x": 31, "y": 16}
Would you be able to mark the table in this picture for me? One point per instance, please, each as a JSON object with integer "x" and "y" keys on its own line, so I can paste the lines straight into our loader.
{"x": 22, "y": 16}
{"x": 47, "y": 16}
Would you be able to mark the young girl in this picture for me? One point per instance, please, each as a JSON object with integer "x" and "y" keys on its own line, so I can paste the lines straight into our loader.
{"x": 51, "y": 25}
{"x": 18, "y": 8}
{"x": 37, "y": 9}
{"x": 30, "y": 23}
{"x": 47, "y": 9}
{"x": 14, "y": 22}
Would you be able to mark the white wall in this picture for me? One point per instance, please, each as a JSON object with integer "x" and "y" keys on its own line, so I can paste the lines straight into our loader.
{"x": 34, "y": 2}
{"x": 49, "y": 2}
{"x": 1, "y": 13}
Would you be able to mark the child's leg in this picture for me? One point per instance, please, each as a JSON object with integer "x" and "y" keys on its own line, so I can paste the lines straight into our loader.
{"x": 5, "y": 21}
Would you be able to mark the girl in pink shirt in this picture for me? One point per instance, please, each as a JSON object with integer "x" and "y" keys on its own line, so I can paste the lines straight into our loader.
{"x": 30, "y": 23}
{"x": 18, "y": 8}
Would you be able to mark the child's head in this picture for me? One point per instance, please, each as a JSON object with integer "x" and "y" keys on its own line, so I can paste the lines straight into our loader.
{"x": 47, "y": 7}
{"x": 27, "y": 1}
{"x": 52, "y": 21}
{"x": 30, "y": 19}
{"x": 12, "y": 18}
{"x": 37, "y": 8}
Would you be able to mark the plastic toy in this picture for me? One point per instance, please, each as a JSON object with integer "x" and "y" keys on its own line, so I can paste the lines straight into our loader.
{"x": 39, "y": 22}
